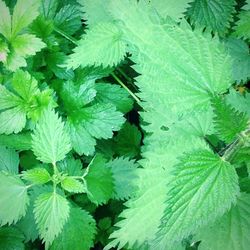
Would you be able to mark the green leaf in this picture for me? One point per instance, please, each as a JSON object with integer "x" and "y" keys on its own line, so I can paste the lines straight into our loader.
{"x": 242, "y": 29}
{"x": 78, "y": 233}
{"x": 5, "y": 20}
{"x": 11, "y": 238}
{"x": 19, "y": 142}
{"x": 27, "y": 45}
{"x": 95, "y": 11}
{"x": 3, "y": 51}
{"x": 125, "y": 177}
{"x": 239, "y": 51}
{"x": 13, "y": 199}
{"x": 100, "y": 183}
{"x": 239, "y": 101}
{"x": 215, "y": 15}
{"x": 172, "y": 8}
{"x": 97, "y": 121}
{"x": 230, "y": 232}
{"x": 50, "y": 141}
{"x": 9, "y": 160}
{"x": 111, "y": 93}
{"x": 70, "y": 166}
{"x": 36, "y": 175}
{"x": 102, "y": 45}
{"x": 204, "y": 188}
{"x": 128, "y": 141}
{"x": 25, "y": 11}
{"x": 68, "y": 18}
{"x": 228, "y": 122}
{"x": 51, "y": 213}
{"x": 72, "y": 185}
{"x": 48, "y": 8}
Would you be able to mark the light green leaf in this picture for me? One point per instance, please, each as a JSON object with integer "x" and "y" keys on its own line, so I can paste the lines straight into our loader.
{"x": 172, "y": 8}
{"x": 15, "y": 61}
{"x": 25, "y": 11}
{"x": 51, "y": 213}
{"x": 27, "y": 45}
{"x": 231, "y": 232}
{"x": 128, "y": 141}
{"x": 228, "y": 121}
{"x": 5, "y": 20}
{"x": 50, "y": 141}
{"x": 11, "y": 238}
{"x": 36, "y": 175}
{"x": 125, "y": 176}
{"x": 4, "y": 50}
{"x": 204, "y": 188}
{"x": 111, "y": 93}
{"x": 9, "y": 160}
{"x": 13, "y": 199}
{"x": 102, "y": 45}
{"x": 78, "y": 233}
{"x": 72, "y": 185}
{"x": 215, "y": 15}
{"x": 100, "y": 183}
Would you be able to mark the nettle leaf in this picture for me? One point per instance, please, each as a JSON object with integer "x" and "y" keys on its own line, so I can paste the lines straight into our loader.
{"x": 11, "y": 238}
{"x": 239, "y": 101}
{"x": 68, "y": 18}
{"x": 125, "y": 177}
{"x": 21, "y": 141}
{"x": 70, "y": 166}
{"x": 9, "y": 160}
{"x": 72, "y": 185}
{"x": 228, "y": 122}
{"x": 242, "y": 29}
{"x": 215, "y": 15}
{"x": 128, "y": 141}
{"x": 36, "y": 175}
{"x": 50, "y": 140}
{"x": 51, "y": 213}
{"x": 25, "y": 11}
{"x": 102, "y": 45}
{"x": 239, "y": 51}
{"x": 100, "y": 182}
{"x": 95, "y": 11}
{"x": 5, "y": 20}
{"x": 13, "y": 199}
{"x": 48, "y": 8}
{"x": 22, "y": 102}
{"x": 230, "y": 232}
{"x": 111, "y": 93}
{"x": 174, "y": 9}
{"x": 204, "y": 184}
{"x": 78, "y": 233}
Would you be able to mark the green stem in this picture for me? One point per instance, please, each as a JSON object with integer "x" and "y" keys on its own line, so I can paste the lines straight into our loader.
{"x": 64, "y": 34}
{"x": 125, "y": 87}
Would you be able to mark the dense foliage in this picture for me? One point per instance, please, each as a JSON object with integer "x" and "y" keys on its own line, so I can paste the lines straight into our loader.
{"x": 124, "y": 124}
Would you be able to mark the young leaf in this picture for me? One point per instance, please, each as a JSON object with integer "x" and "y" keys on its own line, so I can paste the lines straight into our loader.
{"x": 36, "y": 175}
{"x": 215, "y": 15}
{"x": 11, "y": 238}
{"x": 5, "y": 20}
{"x": 9, "y": 160}
{"x": 13, "y": 199}
{"x": 25, "y": 11}
{"x": 230, "y": 232}
{"x": 228, "y": 122}
{"x": 50, "y": 141}
{"x": 204, "y": 184}
{"x": 51, "y": 213}
{"x": 100, "y": 183}
{"x": 101, "y": 46}
{"x": 78, "y": 233}
{"x": 72, "y": 185}
{"x": 125, "y": 177}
